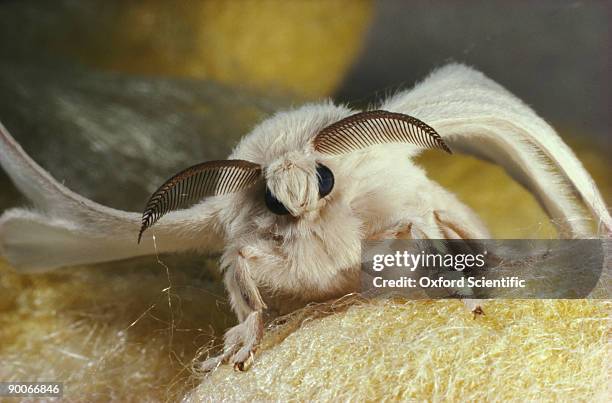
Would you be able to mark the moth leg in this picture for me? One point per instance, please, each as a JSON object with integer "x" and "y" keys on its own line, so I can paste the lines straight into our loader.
{"x": 400, "y": 231}
{"x": 453, "y": 228}
{"x": 241, "y": 341}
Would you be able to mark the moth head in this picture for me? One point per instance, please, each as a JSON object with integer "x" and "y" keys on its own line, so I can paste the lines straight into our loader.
{"x": 297, "y": 184}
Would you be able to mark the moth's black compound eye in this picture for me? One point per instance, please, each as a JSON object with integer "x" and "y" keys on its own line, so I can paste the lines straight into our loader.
{"x": 326, "y": 180}
{"x": 274, "y": 205}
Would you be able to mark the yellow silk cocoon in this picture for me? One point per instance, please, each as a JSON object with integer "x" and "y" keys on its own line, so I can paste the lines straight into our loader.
{"x": 536, "y": 350}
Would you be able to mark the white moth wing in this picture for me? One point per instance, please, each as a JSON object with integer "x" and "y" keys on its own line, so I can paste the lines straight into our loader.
{"x": 477, "y": 116}
{"x": 66, "y": 229}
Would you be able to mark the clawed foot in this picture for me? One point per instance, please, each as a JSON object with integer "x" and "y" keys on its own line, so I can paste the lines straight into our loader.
{"x": 478, "y": 311}
{"x": 474, "y": 306}
{"x": 240, "y": 343}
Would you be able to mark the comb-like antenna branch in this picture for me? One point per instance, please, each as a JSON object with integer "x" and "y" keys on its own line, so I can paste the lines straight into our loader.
{"x": 189, "y": 186}
{"x": 376, "y": 127}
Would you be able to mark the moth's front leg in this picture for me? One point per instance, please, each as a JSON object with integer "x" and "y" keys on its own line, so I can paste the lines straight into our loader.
{"x": 241, "y": 341}
{"x": 455, "y": 228}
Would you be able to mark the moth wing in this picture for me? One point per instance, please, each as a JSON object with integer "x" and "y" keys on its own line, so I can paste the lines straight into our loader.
{"x": 477, "y": 116}
{"x": 66, "y": 229}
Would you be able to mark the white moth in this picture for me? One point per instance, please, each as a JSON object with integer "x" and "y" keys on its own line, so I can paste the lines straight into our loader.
{"x": 290, "y": 206}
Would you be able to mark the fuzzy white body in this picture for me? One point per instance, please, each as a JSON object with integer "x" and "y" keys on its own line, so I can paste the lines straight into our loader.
{"x": 317, "y": 256}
